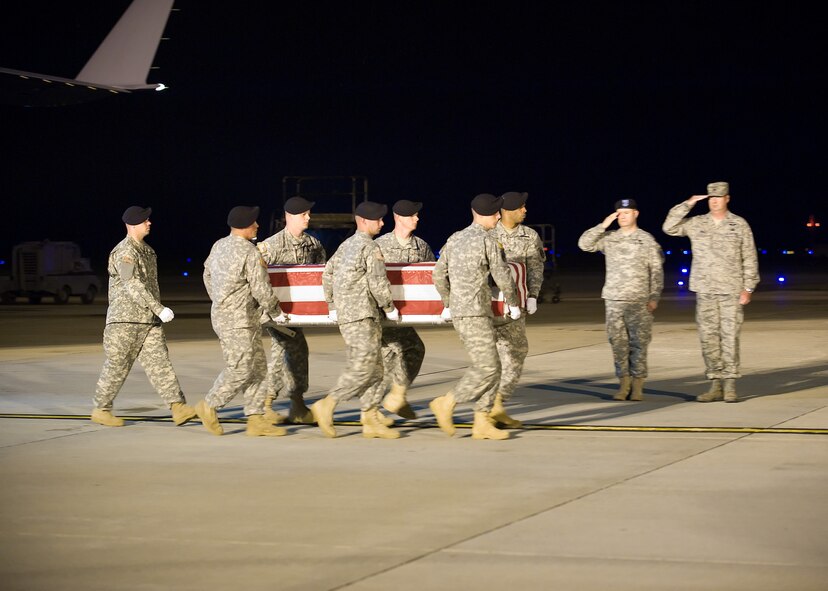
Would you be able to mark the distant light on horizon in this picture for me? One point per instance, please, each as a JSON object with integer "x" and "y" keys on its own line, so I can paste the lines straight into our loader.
{"x": 781, "y": 279}
{"x": 685, "y": 251}
{"x": 684, "y": 270}
{"x": 189, "y": 260}
{"x": 186, "y": 273}
{"x": 680, "y": 283}
{"x": 669, "y": 252}
{"x": 764, "y": 251}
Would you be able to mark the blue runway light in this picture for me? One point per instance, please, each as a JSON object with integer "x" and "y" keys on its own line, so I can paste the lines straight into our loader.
{"x": 781, "y": 279}
{"x": 189, "y": 260}
{"x": 684, "y": 270}
{"x": 685, "y": 252}
{"x": 764, "y": 251}
{"x": 810, "y": 251}
{"x": 669, "y": 252}
{"x": 680, "y": 283}
{"x": 186, "y": 273}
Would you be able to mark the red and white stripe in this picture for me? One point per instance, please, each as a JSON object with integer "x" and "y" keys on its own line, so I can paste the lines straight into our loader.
{"x": 299, "y": 289}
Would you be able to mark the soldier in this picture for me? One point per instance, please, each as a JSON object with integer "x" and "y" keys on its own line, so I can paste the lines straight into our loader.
{"x": 402, "y": 348}
{"x": 724, "y": 274}
{"x": 237, "y": 282}
{"x": 133, "y": 324}
{"x": 461, "y": 277}
{"x": 634, "y": 280}
{"x": 288, "y": 368}
{"x": 356, "y": 289}
{"x": 521, "y": 245}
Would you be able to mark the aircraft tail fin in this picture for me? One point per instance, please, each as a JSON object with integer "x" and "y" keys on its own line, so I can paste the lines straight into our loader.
{"x": 124, "y": 58}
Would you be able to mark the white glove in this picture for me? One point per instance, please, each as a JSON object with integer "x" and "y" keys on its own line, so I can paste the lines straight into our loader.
{"x": 532, "y": 305}
{"x": 445, "y": 315}
{"x": 281, "y": 318}
{"x": 514, "y": 312}
{"x": 166, "y": 315}
{"x": 332, "y": 315}
{"x": 393, "y": 315}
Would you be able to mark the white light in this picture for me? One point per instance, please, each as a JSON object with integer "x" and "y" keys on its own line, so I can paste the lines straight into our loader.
{"x": 161, "y": 87}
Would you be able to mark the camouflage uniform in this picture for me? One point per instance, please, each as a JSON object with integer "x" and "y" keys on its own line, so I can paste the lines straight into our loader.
{"x": 402, "y": 348}
{"x": 461, "y": 277}
{"x": 133, "y": 329}
{"x": 634, "y": 276}
{"x": 236, "y": 280}
{"x": 724, "y": 264}
{"x": 521, "y": 245}
{"x": 288, "y": 368}
{"x": 356, "y": 286}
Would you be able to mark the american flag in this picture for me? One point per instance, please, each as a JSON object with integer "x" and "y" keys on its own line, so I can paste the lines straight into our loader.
{"x": 299, "y": 289}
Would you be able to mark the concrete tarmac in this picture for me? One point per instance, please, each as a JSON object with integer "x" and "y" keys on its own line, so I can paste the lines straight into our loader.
{"x": 666, "y": 493}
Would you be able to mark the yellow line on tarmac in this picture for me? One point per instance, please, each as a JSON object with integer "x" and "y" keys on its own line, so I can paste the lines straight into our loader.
{"x": 526, "y": 426}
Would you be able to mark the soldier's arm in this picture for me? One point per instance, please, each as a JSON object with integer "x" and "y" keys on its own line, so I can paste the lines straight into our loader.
{"x": 656, "y": 264}
{"x": 207, "y": 277}
{"x": 133, "y": 286}
{"x": 320, "y": 256}
{"x": 439, "y": 276}
{"x": 427, "y": 255}
{"x": 259, "y": 280}
{"x": 593, "y": 239}
{"x": 378, "y": 283}
{"x": 327, "y": 280}
{"x": 535, "y": 263}
{"x": 676, "y": 223}
{"x": 750, "y": 261}
{"x": 267, "y": 250}
{"x": 499, "y": 270}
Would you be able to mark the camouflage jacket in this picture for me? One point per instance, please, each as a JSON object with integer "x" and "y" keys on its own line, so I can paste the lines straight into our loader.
{"x": 634, "y": 263}
{"x": 523, "y": 245}
{"x": 133, "y": 284}
{"x": 416, "y": 251}
{"x": 236, "y": 279}
{"x": 462, "y": 273}
{"x": 284, "y": 249}
{"x": 355, "y": 282}
{"x": 724, "y": 254}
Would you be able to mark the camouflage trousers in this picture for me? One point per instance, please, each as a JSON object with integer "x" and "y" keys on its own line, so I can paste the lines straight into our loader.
{"x": 124, "y": 343}
{"x": 245, "y": 370}
{"x": 630, "y": 330}
{"x": 363, "y": 363}
{"x": 719, "y": 319}
{"x": 402, "y": 356}
{"x": 512, "y": 347}
{"x": 480, "y": 381}
{"x": 288, "y": 368}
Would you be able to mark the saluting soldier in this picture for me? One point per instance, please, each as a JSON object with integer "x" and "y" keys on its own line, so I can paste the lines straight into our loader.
{"x": 358, "y": 293}
{"x": 724, "y": 273}
{"x": 288, "y": 367}
{"x": 134, "y": 324}
{"x": 467, "y": 261}
{"x": 402, "y": 348}
{"x": 236, "y": 279}
{"x": 632, "y": 289}
{"x": 521, "y": 244}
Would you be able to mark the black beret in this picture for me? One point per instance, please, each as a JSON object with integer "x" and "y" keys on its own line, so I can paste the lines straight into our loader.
{"x": 513, "y": 200}
{"x": 626, "y": 204}
{"x": 242, "y": 216}
{"x": 297, "y": 205}
{"x": 486, "y": 204}
{"x": 405, "y": 207}
{"x": 135, "y": 215}
{"x": 371, "y": 210}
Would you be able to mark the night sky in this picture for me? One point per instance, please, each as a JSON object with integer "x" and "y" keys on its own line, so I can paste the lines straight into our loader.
{"x": 579, "y": 104}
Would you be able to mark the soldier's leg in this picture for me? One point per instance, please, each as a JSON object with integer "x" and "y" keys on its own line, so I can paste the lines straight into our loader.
{"x": 708, "y": 320}
{"x": 273, "y": 382}
{"x": 639, "y": 322}
{"x": 619, "y": 338}
{"x": 236, "y": 347}
{"x": 402, "y": 357}
{"x": 732, "y": 317}
{"x": 255, "y": 390}
{"x": 363, "y": 341}
{"x": 122, "y": 344}
{"x": 512, "y": 348}
{"x": 483, "y": 374}
{"x": 155, "y": 359}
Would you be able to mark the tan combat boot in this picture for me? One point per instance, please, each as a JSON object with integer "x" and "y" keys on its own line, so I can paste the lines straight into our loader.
{"x": 260, "y": 426}
{"x": 395, "y": 402}
{"x": 637, "y": 389}
{"x": 623, "y": 388}
{"x": 323, "y": 415}
{"x": 209, "y": 418}
{"x": 713, "y": 394}
{"x": 299, "y": 413}
{"x": 271, "y": 415}
{"x": 730, "y": 390}
{"x": 443, "y": 409}
{"x": 106, "y": 418}
{"x": 181, "y": 413}
{"x": 484, "y": 429}
{"x": 373, "y": 428}
{"x": 498, "y": 414}
{"x": 385, "y": 420}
